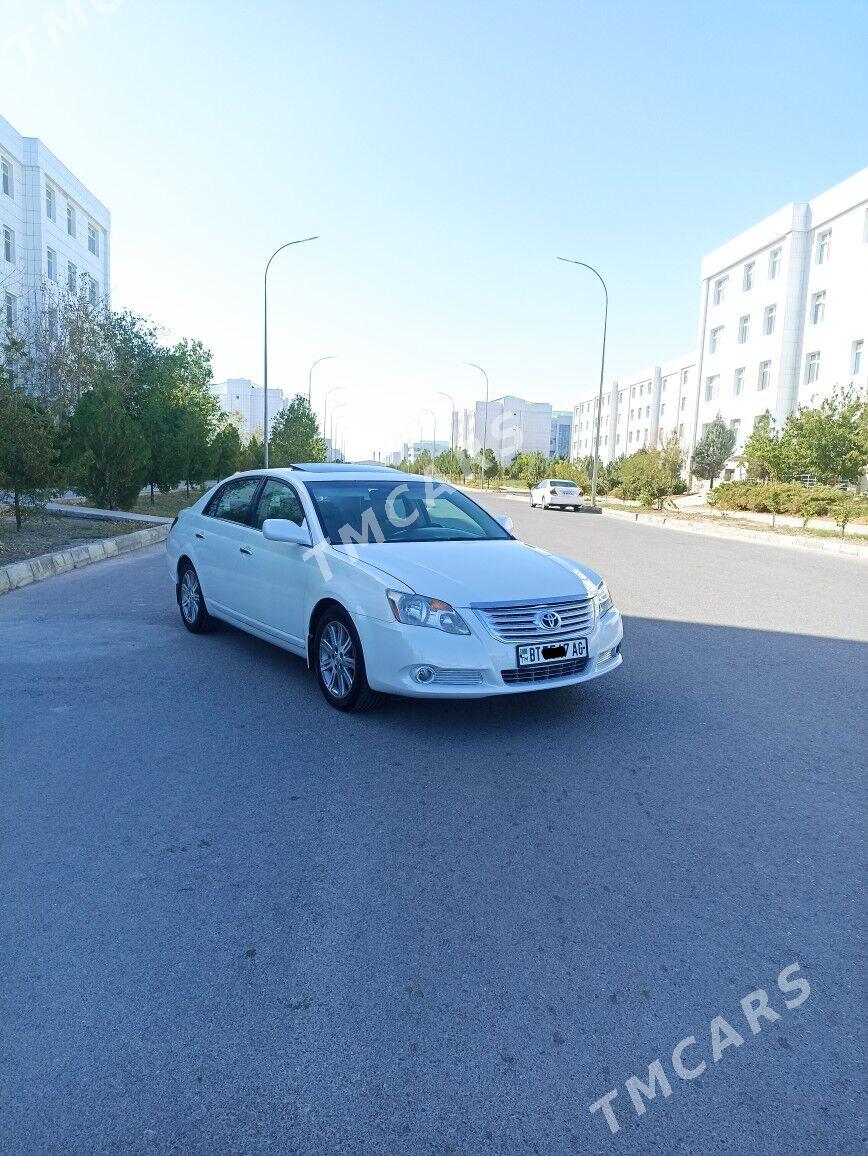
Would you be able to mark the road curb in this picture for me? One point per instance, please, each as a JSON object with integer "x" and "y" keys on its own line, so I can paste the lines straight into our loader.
{"x": 847, "y": 549}
{"x": 18, "y": 574}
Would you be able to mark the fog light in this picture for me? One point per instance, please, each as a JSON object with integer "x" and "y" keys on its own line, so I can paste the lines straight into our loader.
{"x": 424, "y": 674}
{"x": 604, "y": 655}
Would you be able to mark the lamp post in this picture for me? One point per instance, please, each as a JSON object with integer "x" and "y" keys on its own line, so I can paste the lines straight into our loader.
{"x": 301, "y": 241}
{"x": 335, "y": 408}
{"x": 473, "y": 365}
{"x": 451, "y": 400}
{"x": 329, "y": 357}
{"x": 325, "y": 404}
{"x": 433, "y": 417}
{"x": 569, "y": 261}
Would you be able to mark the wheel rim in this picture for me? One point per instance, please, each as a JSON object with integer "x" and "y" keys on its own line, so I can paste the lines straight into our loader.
{"x": 190, "y": 596}
{"x": 337, "y": 659}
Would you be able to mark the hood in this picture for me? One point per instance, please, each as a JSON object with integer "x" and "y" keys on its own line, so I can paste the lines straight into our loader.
{"x": 463, "y": 573}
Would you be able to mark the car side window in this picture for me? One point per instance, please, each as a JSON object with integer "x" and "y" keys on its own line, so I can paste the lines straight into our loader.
{"x": 232, "y": 503}
{"x": 277, "y": 500}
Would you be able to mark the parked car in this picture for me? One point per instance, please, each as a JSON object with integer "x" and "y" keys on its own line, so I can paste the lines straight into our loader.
{"x": 386, "y": 582}
{"x": 554, "y": 493}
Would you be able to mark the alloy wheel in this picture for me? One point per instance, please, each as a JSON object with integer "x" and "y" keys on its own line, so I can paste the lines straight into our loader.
{"x": 190, "y": 595}
{"x": 337, "y": 659}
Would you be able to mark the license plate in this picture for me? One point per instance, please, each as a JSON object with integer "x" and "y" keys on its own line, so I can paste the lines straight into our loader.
{"x": 543, "y": 652}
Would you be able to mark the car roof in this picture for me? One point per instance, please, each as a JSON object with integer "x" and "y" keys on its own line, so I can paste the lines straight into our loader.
{"x": 326, "y": 471}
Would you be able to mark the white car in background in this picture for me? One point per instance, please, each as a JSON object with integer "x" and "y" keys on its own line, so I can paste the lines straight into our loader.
{"x": 386, "y": 582}
{"x": 554, "y": 493}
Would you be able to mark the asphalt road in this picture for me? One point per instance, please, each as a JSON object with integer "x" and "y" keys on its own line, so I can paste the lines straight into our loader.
{"x": 233, "y": 920}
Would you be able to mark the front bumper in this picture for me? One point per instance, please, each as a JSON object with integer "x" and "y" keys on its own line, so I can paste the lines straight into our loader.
{"x": 394, "y": 651}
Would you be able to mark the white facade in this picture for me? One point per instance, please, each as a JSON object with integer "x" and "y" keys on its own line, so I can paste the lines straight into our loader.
{"x": 783, "y": 310}
{"x": 54, "y": 231}
{"x": 639, "y": 410}
{"x": 241, "y": 398}
{"x": 562, "y": 434}
{"x": 511, "y": 426}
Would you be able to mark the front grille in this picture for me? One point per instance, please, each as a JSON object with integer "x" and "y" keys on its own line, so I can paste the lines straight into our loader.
{"x": 518, "y": 622}
{"x": 449, "y": 677}
{"x": 546, "y": 672}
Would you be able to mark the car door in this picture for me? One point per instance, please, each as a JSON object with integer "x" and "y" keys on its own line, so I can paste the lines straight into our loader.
{"x": 280, "y": 574}
{"x": 225, "y": 542}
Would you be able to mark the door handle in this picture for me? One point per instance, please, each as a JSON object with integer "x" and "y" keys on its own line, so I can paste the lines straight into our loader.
{"x": 198, "y": 535}
{"x": 245, "y": 550}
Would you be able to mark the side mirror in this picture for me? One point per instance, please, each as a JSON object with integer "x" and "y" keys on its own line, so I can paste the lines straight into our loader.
{"x": 282, "y": 530}
{"x": 506, "y": 522}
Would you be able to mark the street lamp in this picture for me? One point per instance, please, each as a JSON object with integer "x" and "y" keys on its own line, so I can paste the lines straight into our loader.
{"x": 330, "y": 357}
{"x": 569, "y": 261}
{"x": 335, "y": 408}
{"x": 451, "y": 400}
{"x": 265, "y": 344}
{"x": 334, "y": 389}
{"x": 473, "y": 365}
{"x": 433, "y": 417}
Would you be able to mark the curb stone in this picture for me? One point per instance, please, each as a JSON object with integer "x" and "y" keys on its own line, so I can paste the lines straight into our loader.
{"x": 18, "y": 574}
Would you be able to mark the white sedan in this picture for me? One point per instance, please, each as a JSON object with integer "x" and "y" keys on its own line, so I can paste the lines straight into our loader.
{"x": 386, "y": 582}
{"x": 552, "y": 492}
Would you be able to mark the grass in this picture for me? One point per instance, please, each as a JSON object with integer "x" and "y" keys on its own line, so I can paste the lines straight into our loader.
{"x": 166, "y": 505}
{"x": 732, "y": 519}
{"x": 45, "y": 534}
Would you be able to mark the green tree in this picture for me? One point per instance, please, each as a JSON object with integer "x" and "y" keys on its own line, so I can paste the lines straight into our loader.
{"x": 485, "y": 466}
{"x": 533, "y": 468}
{"x": 251, "y": 454}
{"x": 156, "y": 408}
{"x": 713, "y": 450}
{"x": 28, "y": 449}
{"x": 671, "y": 462}
{"x": 107, "y": 451}
{"x": 768, "y": 455}
{"x": 830, "y": 442}
{"x": 295, "y": 435}
{"x": 227, "y": 451}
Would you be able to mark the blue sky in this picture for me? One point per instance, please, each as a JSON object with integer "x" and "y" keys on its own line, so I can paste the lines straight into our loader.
{"x": 446, "y": 153}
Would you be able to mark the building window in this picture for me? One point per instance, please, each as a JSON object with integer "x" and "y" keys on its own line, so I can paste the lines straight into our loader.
{"x": 714, "y": 339}
{"x": 734, "y": 424}
{"x": 9, "y": 244}
{"x": 743, "y": 328}
{"x": 738, "y": 382}
{"x": 774, "y": 263}
{"x": 92, "y": 240}
{"x": 856, "y": 358}
{"x": 720, "y": 290}
{"x": 633, "y": 391}
{"x": 684, "y": 373}
{"x": 52, "y": 265}
{"x": 6, "y": 178}
{"x": 824, "y": 245}
{"x": 818, "y": 307}
{"x": 769, "y": 319}
{"x": 711, "y": 386}
{"x": 50, "y": 203}
{"x": 11, "y": 304}
{"x": 812, "y": 368}
{"x": 683, "y": 403}
{"x": 70, "y": 219}
{"x": 71, "y": 277}
{"x": 663, "y": 409}
{"x": 681, "y": 431}
{"x": 765, "y": 375}
{"x": 92, "y": 291}
{"x": 747, "y": 279}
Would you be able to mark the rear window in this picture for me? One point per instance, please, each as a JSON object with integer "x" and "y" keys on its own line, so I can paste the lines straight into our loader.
{"x": 564, "y": 485}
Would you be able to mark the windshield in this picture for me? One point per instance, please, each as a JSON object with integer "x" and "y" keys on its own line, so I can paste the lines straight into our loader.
{"x": 413, "y": 511}
{"x": 566, "y": 485}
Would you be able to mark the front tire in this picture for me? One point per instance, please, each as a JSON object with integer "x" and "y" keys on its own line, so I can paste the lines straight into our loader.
{"x": 340, "y": 664}
{"x": 191, "y": 602}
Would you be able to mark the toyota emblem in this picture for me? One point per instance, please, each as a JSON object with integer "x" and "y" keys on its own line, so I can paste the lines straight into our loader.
{"x": 550, "y": 620}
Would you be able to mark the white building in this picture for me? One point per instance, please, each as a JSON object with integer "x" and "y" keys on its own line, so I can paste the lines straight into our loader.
{"x": 511, "y": 426}
{"x": 639, "y": 410}
{"x": 240, "y": 397}
{"x": 55, "y": 232}
{"x": 784, "y": 312}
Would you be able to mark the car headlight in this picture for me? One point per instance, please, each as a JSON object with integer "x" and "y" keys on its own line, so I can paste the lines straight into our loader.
{"x": 414, "y": 610}
{"x": 604, "y": 600}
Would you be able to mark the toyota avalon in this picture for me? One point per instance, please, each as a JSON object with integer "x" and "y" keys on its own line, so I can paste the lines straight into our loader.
{"x": 386, "y": 582}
